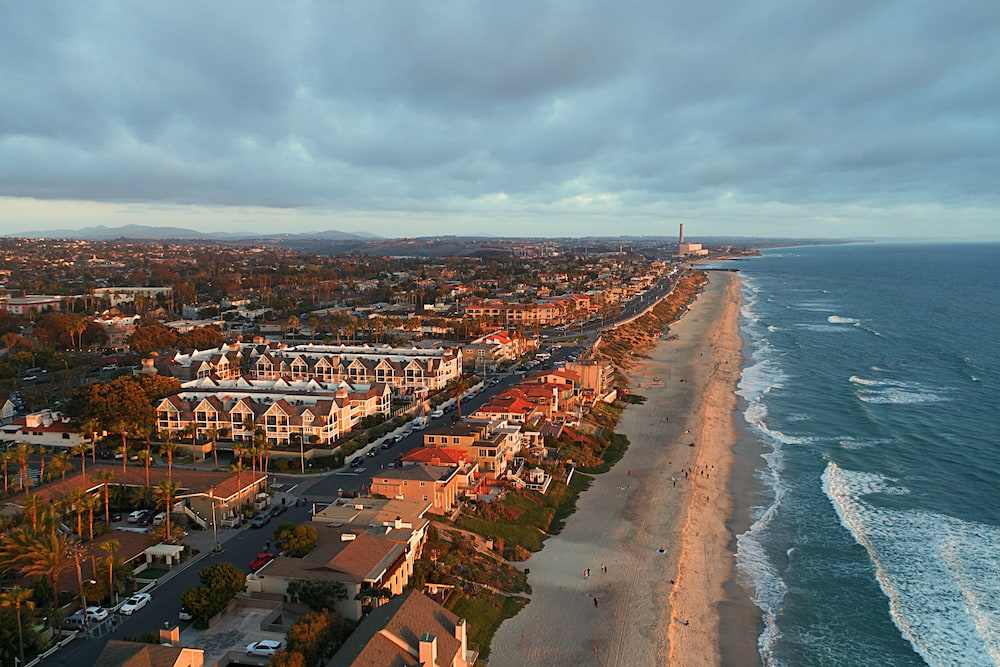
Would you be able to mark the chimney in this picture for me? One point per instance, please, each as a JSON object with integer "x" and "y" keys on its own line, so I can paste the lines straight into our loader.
{"x": 428, "y": 650}
{"x": 460, "y": 635}
{"x": 171, "y": 636}
{"x": 682, "y": 233}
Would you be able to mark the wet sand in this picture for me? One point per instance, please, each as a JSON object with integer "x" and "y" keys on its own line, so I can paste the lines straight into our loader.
{"x": 653, "y": 531}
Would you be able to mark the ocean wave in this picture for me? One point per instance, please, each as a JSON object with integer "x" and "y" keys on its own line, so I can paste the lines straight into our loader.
{"x": 820, "y": 327}
{"x": 868, "y": 383}
{"x": 938, "y": 572}
{"x": 837, "y": 319}
{"x": 899, "y": 396}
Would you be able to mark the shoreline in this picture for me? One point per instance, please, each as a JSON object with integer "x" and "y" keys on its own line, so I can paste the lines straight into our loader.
{"x": 658, "y": 522}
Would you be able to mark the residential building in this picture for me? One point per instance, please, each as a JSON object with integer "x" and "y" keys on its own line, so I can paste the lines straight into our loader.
{"x": 285, "y": 410}
{"x": 435, "y": 483}
{"x": 411, "y": 629}
{"x": 366, "y": 544}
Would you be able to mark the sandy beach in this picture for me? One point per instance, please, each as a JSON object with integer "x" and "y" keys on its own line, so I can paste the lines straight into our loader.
{"x": 639, "y": 572}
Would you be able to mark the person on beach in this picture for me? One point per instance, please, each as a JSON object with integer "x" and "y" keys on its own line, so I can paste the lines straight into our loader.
{"x": 595, "y": 601}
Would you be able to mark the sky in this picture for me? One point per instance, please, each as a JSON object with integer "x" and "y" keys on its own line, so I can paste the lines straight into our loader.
{"x": 788, "y": 118}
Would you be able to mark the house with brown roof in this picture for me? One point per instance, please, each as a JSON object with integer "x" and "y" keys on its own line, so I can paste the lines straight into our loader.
{"x": 118, "y": 653}
{"x": 435, "y": 483}
{"x": 410, "y": 629}
{"x": 363, "y": 543}
{"x": 492, "y": 444}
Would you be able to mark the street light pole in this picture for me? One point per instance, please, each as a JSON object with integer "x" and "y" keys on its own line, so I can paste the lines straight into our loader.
{"x": 215, "y": 532}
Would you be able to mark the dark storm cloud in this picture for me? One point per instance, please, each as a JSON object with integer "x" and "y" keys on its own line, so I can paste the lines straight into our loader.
{"x": 383, "y": 105}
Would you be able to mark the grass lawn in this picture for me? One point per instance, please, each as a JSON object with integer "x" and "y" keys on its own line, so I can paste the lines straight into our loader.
{"x": 484, "y": 613}
{"x": 152, "y": 573}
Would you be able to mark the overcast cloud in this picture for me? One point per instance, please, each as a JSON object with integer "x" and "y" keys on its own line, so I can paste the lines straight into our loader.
{"x": 785, "y": 117}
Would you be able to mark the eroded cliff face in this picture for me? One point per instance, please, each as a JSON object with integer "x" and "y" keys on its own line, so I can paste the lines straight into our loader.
{"x": 628, "y": 342}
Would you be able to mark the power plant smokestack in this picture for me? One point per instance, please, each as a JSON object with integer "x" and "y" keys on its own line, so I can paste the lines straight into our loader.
{"x": 682, "y": 233}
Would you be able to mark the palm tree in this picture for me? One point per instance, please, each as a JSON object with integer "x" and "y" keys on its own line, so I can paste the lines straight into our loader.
{"x": 297, "y": 438}
{"x": 5, "y": 459}
{"x": 60, "y": 465}
{"x": 169, "y": 448}
{"x": 33, "y": 505}
{"x": 146, "y": 454}
{"x": 238, "y": 468}
{"x": 21, "y": 455}
{"x": 122, "y": 429}
{"x": 41, "y": 451}
{"x": 110, "y": 547}
{"x": 106, "y": 477}
{"x": 81, "y": 449}
{"x": 88, "y": 503}
{"x": 48, "y": 556}
{"x": 166, "y": 492}
{"x": 191, "y": 429}
{"x": 71, "y": 502}
{"x": 90, "y": 428}
{"x": 457, "y": 389}
{"x": 15, "y": 597}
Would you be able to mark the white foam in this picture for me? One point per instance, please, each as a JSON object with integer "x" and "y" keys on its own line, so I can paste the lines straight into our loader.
{"x": 831, "y": 328}
{"x": 836, "y": 319}
{"x": 938, "y": 572}
{"x": 899, "y": 396}
{"x": 870, "y": 383}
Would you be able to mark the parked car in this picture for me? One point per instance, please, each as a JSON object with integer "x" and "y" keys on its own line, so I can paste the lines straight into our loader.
{"x": 359, "y": 469}
{"x": 265, "y": 647}
{"x": 260, "y": 520}
{"x": 260, "y": 561}
{"x": 133, "y": 517}
{"x": 159, "y": 518}
{"x": 184, "y": 615}
{"x": 75, "y": 621}
{"x": 145, "y": 518}
{"x": 135, "y": 603}
{"x": 96, "y": 614}
{"x": 279, "y": 510}
{"x": 437, "y": 414}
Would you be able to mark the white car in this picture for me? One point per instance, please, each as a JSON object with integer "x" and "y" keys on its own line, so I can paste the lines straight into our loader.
{"x": 135, "y": 603}
{"x": 96, "y": 614}
{"x": 265, "y": 647}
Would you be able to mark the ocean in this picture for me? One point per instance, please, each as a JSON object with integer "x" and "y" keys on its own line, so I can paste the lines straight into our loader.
{"x": 872, "y": 385}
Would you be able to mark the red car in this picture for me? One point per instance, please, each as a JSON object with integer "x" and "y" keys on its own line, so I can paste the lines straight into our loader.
{"x": 260, "y": 561}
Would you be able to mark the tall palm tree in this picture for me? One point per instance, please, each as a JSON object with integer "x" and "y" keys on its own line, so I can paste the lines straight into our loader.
{"x": 213, "y": 436}
{"x": 166, "y": 491}
{"x": 88, "y": 503}
{"x": 90, "y": 428}
{"x": 5, "y": 459}
{"x": 110, "y": 548}
{"x": 457, "y": 389}
{"x": 106, "y": 477}
{"x": 41, "y": 451}
{"x": 17, "y": 597}
{"x": 296, "y": 438}
{"x": 169, "y": 448}
{"x": 190, "y": 430}
{"x": 81, "y": 449}
{"x": 121, "y": 428}
{"x": 60, "y": 465}
{"x": 71, "y": 502}
{"x": 21, "y": 454}
{"x": 48, "y": 556}
{"x": 146, "y": 454}
{"x": 33, "y": 505}
{"x": 238, "y": 468}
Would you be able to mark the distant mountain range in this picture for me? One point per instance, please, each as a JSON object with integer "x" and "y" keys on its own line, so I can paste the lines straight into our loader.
{"x": 104, "y": 233}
